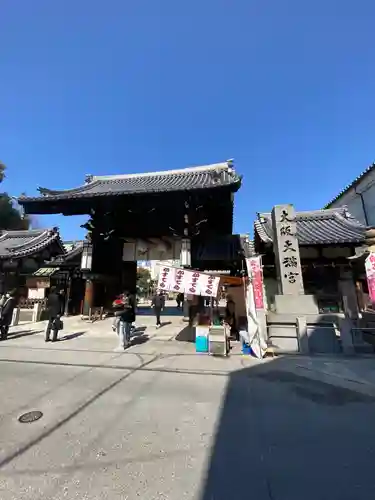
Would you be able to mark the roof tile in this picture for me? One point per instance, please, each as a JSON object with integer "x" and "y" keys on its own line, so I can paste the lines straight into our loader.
{"x": 17, "y": 244}
{"x": 209, "y": 176}
{"x": 319, "y": 227}
{"x": 354, "y": 183}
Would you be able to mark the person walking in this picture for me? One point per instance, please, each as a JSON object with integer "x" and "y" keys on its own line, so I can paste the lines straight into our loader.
{"x": 9, "y": 303}
{"x": 54, "y": 309}
{"x": 158, "y": 303}
{"x": 231, "y": 317}
{"x": 180, "y": 300}
{"x": 126, "y": 315}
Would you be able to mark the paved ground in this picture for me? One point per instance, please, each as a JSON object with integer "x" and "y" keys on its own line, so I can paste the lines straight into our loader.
{"x": 161, "y": 422}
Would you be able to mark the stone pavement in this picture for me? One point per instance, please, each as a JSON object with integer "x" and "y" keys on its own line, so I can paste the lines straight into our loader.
{"x": 162, "y": 422}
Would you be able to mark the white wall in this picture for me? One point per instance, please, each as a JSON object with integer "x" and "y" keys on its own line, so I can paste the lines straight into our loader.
{"x": 352, "y": 199}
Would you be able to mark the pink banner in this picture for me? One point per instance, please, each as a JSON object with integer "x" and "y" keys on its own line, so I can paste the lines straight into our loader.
{"x": 371, "y": 288}
{"x": 254, "y": 271}
{"x": 370, "y": 275}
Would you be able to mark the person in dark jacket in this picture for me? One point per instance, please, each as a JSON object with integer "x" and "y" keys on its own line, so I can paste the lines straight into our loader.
{"x": 7, "y": 313}
{"x": 158, "y": 303}
{"x": 180, "y": 300}
{"x": 126, "y": 315}
{"x": 54, "y": 309}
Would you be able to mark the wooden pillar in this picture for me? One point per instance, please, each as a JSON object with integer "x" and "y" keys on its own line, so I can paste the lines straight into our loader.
{"x": 88, "y": 300}
{"x": 185, "y": 257}
{"x": 67, "y": 294}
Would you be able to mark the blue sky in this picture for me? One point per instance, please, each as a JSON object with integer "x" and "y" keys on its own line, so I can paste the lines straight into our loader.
{"x": 286, "y": 88}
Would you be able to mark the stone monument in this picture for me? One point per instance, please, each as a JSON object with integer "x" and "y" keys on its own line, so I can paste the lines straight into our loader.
{"x": 288, "y": 325}
{"x": 291, "y": 298}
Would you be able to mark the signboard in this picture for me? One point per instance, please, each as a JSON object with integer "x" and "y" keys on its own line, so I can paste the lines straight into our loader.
{"x": 286, "y": 249}
{"x": 179, "y": 280}
{"x": 174, "y": 279}
{"x": 37, "y": 282}
{"x": 36, "y": 293}
{"x": 370, "y": 275}
{"x": 166, "y": 278}
{"x": 254, "y": 270}
{"x": 151, "y": 249}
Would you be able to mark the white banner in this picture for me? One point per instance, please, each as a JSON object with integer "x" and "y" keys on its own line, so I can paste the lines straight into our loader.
{"x": 166, "y": 278}
{"x": 191, "y": 282}
{"x": 209, "y": 285}
{"x": 178, "y": 283}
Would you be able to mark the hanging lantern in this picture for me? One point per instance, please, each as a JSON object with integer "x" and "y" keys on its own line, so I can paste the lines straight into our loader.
{"x": 86, "y": 260}
{"x": 185, "y": 252}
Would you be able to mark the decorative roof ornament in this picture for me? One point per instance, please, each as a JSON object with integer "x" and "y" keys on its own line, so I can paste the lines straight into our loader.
{"x": 43, "y": 191}
{"x": 216, "y": 175}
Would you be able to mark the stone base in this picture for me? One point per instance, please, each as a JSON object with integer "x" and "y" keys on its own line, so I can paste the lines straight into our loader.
{"x": 282, "y": 338}
{"x": 299, "y": 305}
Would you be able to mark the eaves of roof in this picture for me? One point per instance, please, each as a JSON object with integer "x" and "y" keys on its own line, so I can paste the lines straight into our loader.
{"x": 18, "y": 244}
{"x": 205, "y": 177}
{"x": 319, "y": 227}
{"x": 353, "y": 184}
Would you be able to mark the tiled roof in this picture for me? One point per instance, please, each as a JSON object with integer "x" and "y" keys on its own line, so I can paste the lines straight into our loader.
{"x": 318, "y": 227}
{"x": 354, "y": 183}
{"x": 208, "y": 176}
{"x": 72, "y": 248}
{"x": 17, "y": 244}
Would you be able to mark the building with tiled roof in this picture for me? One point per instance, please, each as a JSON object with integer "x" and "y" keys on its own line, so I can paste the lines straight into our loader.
{"x": 190, "y": 206}
{"x": 23, "y": 252}
{"x": 317, "y": 227}
{"x": 214, "y": 176}
{"x": 327, "y": 239}
{"x": 26, "y": 243}
{"x": 358, "y": 197}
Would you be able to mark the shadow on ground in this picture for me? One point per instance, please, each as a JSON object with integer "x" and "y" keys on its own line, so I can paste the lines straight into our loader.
{"x": 283, "y": 436}
{"x": 139, "y": 330}
{"x": 186, "y": 334}
{"x": 167, "y": 311}
{"x": 71, "y": 336}
{"x": 23, "y": 333}
{"x": 139, "y": 339}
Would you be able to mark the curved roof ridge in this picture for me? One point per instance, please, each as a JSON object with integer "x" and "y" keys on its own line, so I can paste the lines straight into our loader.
{"x": 34, "y": 242}
{"x": 53, "y": 192}
{"x": 217, "y": 175}
{"x": 333, "y": 226}
{"x": 52, "y": 233}
{"x": 349, "y": 220}
{"x": 259, "y": 226}
{"x": 14, "y": 233}
{"x": 320, "y": 213}
{"x": 227, "y": 165}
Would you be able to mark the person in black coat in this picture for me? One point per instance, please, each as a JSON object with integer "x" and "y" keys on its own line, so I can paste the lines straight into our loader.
{"x": 158, "y": 303}
{"x": 126, "y": 315}
{"x": 54, "y": 309}
{"x": 7, "y": 313}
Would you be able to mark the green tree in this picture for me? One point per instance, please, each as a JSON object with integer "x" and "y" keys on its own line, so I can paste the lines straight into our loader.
{"x": 10, "y": 216}
{"x": 143, "y": 281}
